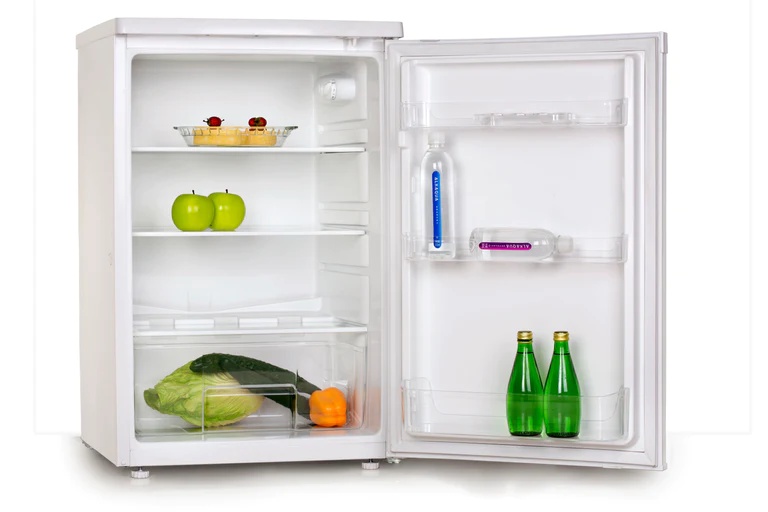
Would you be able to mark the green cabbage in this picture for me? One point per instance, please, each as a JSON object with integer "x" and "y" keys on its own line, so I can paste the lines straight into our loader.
{"x": 181, "y": 394}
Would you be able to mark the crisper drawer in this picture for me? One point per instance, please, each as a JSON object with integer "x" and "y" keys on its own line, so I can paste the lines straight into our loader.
{"x": 207, "y": 387}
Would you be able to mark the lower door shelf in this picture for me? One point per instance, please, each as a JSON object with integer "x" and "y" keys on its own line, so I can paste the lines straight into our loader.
{"x": 481, "y": 417}
{"x": 206, "y": 390}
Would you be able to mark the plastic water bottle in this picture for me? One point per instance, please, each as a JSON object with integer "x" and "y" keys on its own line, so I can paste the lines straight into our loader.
{"x": 517, "y": 244}
{"x": 438, "y": 180}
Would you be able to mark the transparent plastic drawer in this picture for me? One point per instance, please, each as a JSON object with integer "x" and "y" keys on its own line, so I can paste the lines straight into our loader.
{"x": 271, "y": 396}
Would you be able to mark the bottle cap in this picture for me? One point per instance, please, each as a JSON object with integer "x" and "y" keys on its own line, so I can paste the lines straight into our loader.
{"x": 561, "y": 335}
{"x": 564, "y": 244}
{"x": 524, "y": 336}
{"x": 436, "y": 138}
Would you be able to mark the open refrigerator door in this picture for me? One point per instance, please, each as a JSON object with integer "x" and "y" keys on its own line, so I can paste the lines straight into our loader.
{"x": 547, "y": 215}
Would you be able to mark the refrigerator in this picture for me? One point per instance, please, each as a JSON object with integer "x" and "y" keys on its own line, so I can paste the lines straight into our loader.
{"x": 330, "y": 277}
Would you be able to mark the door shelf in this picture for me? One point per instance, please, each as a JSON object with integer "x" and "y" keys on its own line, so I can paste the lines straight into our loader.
{"x": 481, "y": 417}
{"x": 610, "y": 113}
{"x": 188, "y": 324}
{"x": 276, "y": 406}
{"x": 171, "y": 231}
{"x": 584, "y": 250}
{"x": 241, "y": 150}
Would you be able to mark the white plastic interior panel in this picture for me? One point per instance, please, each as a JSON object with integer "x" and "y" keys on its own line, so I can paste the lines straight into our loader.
{"x": 294, "y": 199}
{"x": 291, "y": 286}
{"x": 557, "y": 134}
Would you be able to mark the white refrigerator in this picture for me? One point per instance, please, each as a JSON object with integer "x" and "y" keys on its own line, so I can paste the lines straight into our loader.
{"x": 328, "y": 276}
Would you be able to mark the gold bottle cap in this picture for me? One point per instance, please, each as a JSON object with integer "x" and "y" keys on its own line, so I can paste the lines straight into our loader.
{"x": 561, "y": 335}
{"x": 524, "y": 336}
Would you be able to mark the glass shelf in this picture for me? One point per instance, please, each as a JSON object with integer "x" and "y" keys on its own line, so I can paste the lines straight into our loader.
{"x": 251, "y": 231}
{"x": 202, "y": 324}
{"x": 515, "y": 115}
{"x": 240, "y": 150}
{"x": 584, "y": 250}
{"x": 481, "y": 417}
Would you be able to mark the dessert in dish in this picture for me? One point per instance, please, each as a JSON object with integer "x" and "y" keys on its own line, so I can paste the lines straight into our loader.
{"x": 257, "y": 133}
{"x": 260, "y": 137}
{"x": 217, "y": 136}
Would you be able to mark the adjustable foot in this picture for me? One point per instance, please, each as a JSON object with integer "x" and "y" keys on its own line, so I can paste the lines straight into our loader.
{"x": 371, "y": 464}
{"x": 139, "y": 473}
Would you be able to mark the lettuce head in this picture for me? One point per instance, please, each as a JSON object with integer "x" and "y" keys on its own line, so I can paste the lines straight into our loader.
{"x": 181, "y": 394}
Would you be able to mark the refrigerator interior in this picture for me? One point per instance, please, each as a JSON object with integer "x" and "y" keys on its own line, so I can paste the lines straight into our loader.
{"x": 537, "y": 141}
{"x": 293, "y": 285}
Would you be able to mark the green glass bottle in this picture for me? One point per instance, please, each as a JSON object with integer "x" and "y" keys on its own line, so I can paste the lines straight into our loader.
{"x": 525, "y": 415}
{"x": 562, "y": 396}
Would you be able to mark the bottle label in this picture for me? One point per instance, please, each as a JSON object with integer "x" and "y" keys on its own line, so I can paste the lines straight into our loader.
{"x": 505, "y": 246}
{"x": 437, "y": 227}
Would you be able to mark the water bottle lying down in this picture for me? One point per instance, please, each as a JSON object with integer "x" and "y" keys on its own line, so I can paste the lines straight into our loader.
{"x": 517, "y": 244}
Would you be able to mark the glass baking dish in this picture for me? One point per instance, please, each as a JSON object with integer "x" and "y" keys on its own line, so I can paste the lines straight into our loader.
{"x": 234, "y": 136}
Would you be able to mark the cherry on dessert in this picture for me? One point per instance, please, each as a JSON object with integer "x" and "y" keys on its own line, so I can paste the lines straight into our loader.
{"x": 213, "y": 121}
{"x": 257, "y": 121}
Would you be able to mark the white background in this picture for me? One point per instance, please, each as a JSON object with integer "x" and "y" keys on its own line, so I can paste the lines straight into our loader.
{"x": 715, "y": 223}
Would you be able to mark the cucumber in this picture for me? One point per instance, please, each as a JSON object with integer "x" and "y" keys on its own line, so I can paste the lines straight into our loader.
{"x": 249, "y": 371}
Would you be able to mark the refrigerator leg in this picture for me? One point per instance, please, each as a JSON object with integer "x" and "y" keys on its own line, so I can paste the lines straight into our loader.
{"x": 371, "y": 464}
{"x": 139, "y": 473}
{"x": 393, "y": 460}
{"x": 86, "y": 444}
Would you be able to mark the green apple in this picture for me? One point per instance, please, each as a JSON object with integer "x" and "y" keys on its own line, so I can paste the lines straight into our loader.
{"x": 191, "y": 212}
{"x": 229, "y": 211}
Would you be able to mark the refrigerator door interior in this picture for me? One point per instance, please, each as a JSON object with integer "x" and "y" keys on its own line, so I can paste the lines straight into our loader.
{"x": 558, "y": 142}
